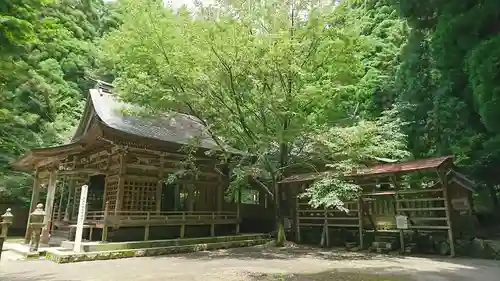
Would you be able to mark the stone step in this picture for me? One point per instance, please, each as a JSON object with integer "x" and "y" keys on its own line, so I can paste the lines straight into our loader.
{"x": 386, "y": 238}
{"x": 384, "y": 245}
{"x": 69, "y": 256}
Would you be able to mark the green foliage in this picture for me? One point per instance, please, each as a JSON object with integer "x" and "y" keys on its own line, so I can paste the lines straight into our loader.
{"x": 282, "y": 81}
{"x": 449, "y": 82}
{"x": 46, "y": 51}
{"x": 350, "y": 147}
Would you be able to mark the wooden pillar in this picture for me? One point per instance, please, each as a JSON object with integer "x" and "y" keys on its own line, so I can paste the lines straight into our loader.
{"x": 447, "y": 206}
{"x": 121, "y": 181}
{"x": 49, "y": 206}
{"x": 71, "y": 191}
{"x": 146, "y": 229}
{"x": 401, "y": 232}
{"x": 177, "y": 197}
{"x": 190, "y": 197}
{"x": 61, "y": 196}
{"x": 183, "y": 226}
{"x": 327, "y": 232}
{"x": 361, "y": 220}
{"x": 220, "y": 195}
{"x": 212, "y": 226}
{"x": 238, "y": 216}
{"x": 159, "y": 187}
{"x": 104, "y": 236}
{"x": 75, "y": 202}
{"x": 297, "y": 214}
{"x": 470, "y": 202}
{"x": 35, "y": 196}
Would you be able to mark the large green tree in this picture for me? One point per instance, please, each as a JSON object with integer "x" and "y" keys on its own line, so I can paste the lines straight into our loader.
{"x": 267, "y": 77}
{"x": 448, "y": 82}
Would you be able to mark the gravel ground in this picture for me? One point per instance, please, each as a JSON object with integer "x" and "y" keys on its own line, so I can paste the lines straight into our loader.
{"x": 257, "y": 263}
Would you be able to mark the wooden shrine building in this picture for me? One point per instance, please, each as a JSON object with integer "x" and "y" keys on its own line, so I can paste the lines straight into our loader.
{"x": 126, "y": 161}
{"x": 430, "y": 195}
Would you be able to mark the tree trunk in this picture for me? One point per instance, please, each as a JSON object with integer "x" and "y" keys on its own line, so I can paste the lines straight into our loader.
{"x": 280, "y": 229}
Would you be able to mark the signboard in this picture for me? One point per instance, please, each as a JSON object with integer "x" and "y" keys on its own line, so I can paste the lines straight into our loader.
{"x": 460, "y": 204}
{"x": 81, "y": 218}
{"x": 402, "y": 222}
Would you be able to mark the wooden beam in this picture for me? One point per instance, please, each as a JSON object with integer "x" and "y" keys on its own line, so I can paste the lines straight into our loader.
{"x": 87, "y": 171}
{"x": 166, "y": 169}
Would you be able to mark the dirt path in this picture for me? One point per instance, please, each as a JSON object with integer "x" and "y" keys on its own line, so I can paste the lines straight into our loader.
{"x": 258, "y": 263}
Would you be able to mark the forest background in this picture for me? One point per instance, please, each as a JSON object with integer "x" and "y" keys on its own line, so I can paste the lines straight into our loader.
{"x": 431, "y": 68}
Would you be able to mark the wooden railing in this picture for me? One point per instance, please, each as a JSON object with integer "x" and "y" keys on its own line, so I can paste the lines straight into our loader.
{"x": 142, "y": 217}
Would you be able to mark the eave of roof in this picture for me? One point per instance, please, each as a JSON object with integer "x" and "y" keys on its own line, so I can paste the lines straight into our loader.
{"x": 31, "y": 157}
{"x": 174, "y": 127}
{"x": 378, "y": 170}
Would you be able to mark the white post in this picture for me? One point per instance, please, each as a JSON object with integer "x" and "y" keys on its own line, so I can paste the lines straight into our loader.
{"x": 81, "y": 218}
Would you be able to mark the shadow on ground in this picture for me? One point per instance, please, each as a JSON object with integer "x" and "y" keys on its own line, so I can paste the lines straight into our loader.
{"x": 323, "y": 276}
{"x": 281, "y": 253}
{"x": 23, "y": 277}
{"x": 357, "y": 266}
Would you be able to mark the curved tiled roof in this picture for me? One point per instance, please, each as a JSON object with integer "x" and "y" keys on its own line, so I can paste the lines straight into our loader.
{"x": 172, "y": 127}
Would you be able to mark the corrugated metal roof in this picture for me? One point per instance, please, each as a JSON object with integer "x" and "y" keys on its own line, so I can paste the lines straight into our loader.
{"x": 383, "y": 169}
{"x": 408, "y": 166}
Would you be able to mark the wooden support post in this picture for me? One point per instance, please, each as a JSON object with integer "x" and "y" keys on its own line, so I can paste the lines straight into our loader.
{"x": 361, "y": 221}
{"x": 220, "y": 195}
{"x": 146, "y": 230}
{"x": 190, "y": 195}
{"x": 159, "y": 187}
{"x": 61, "y": 196}
{"x": 297, "y": 217}
{"x": 104, "y": 236}
{"x": 238, "y": 216}
{"x": 327, "y": 234}
{"x": 177, "y": 197}
{"x": 183, "y": 226}
{"x": 401, "y": 232}
{"x": 447, "y": 205}
{"x": 74, "y": 204}
{"x": 71, "y": 191}
{"x": 49, "y": 203}
{"x": 35, "y": 196}
{"x": 212, "y": 226}
{"x": 121, "y": 182}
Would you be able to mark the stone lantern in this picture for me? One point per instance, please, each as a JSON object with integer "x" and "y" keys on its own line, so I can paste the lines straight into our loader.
{"x": 7, "y": 219}
{"x": 36, "y": 224}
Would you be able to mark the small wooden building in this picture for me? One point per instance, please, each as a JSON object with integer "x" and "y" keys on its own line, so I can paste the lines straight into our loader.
{"x": 427, "y": 195}
{"x": 126, "y": 160}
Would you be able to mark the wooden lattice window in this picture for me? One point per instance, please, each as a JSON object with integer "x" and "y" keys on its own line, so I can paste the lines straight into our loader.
{"x": 139, "y": 195}
{"x": 111, "y": 191}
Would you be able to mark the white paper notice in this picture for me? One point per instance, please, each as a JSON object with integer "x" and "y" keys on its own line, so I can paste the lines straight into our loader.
{"x": 402, "y": 222}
